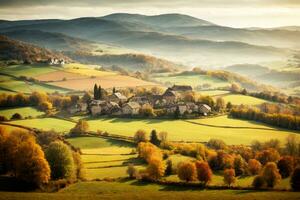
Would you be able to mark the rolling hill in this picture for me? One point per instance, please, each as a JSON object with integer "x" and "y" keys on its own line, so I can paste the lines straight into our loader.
{"x": 175, "y": 37}
{"x": 55, "y": 41}
{"x": 24, "y": 52}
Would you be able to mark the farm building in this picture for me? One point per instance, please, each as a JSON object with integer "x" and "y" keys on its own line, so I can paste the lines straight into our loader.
{"x": 204, "y": 109}
{"x": 117, "y": 98}
{"x": 131, "y": 108}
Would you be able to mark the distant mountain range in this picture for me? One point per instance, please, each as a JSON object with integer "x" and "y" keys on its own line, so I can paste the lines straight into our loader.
{"x": 180, "y": 38}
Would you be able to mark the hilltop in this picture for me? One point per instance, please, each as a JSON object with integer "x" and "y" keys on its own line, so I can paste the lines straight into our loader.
{"x": 24, "y": 52}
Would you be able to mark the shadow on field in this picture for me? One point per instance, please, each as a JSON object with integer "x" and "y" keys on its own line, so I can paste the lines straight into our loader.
{"x": 11, "y": 184}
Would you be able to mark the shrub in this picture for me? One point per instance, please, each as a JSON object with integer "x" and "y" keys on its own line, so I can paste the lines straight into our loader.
{"x": 140, "y": 136}
{"x": 81, "y": 127}
{"x": 258, "y": 182}
{"x": 16, "y": 116}
{"x": 285, "y": 166}
{"x": 187, "y": 171}
{"x": 216, "y": 144}
{"x": 131, "y": 171}
{"x": 60, "y": 160}
{"x": 271, "y": 174}
{"x": 203, "y": 171}
{"x": 221, "y": 161}
{"x": 229, "y": 177}
{"x": 254, "y": 166}
{"x": 295, "y": 179}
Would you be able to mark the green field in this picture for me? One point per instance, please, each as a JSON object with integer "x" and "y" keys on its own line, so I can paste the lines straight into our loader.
{"x": 213, "y": 92}
{"x": 15, "y": 85}
{"x": 28, "y": 70}
{"x": 104, "y": 157}
{"x": 134, "y": 190}
{"x": 192, "y": 80}
{"x": 46, "y": 124}
{"x": 24, "y": 111}
{"x": 238, "y": 99}
{"x": 232, "y": 131}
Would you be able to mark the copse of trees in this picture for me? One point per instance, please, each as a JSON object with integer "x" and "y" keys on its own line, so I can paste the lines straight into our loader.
{"x": 281, "y": 120}
{"x": 22, "y": 157}
{"x": 295, "y": 179}
{"x": 268, "y": 155}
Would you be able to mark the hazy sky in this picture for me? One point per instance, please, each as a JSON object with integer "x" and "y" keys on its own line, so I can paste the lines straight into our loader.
{"x": 236, "y": 13}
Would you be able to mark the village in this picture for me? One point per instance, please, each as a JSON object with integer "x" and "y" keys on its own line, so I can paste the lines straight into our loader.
{"x": 169, "y": 104}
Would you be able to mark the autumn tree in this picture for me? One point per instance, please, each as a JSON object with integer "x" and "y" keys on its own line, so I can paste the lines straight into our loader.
{"x": 140, "y": 136}
{"x": 220, "y": 104}
{"x": 271, "y": 174}
{"x": 156, "y": 168}
{"x": 229, "y": 177}
{"x": 204, "y": 172}
{"x": 147, "y": 151}
{"x": 146, "y": 111}
{"x": 291, "y": 145}
{"x": 81, "y": 127}
{"x": 60, "y": 159}
{"x": 163, "y": 136}
{"x": 268, "y": 155}
{"x": 16, "y": 116}
{"x": 240, "y": 165}
{"x": 169, "y": 167}
{"x": 286, "y": 166}
{"x": 187, "y": 171}
{"x": 80, "y": 172}
{"x": 254, "y": 166}
{"x": 295, "y": 179}
{"x": 154, "y": 139}
{"x": 45, "y": 106}
{"x": 30, "y": 164}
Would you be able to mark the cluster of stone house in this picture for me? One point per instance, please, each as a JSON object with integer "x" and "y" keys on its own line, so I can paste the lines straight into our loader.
{"x": 117, "y": 104}
{"x": 55, "y": 61}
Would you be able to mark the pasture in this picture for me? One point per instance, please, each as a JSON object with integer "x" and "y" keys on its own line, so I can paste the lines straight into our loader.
{"x": 232, "y": 131}
{"x": 192, "y": 80}
{"x": 238, "y": 99}
{"x": 24, "y": 111}
{"x": 28, "y": 70}
{"x": 46, "y": 124}
{"x": 124, "y": 190}
{"x": 105, "y": 82}
{"x": 12, "y": 84}
{"x": 105, "y": 157}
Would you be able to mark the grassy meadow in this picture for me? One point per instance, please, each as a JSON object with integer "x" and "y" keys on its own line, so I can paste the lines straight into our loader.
{"x": 24, "y": 111}
{"x": 124, "y": 190}
{"x": 238, "y": 99}
{"x": 104, "y": 158}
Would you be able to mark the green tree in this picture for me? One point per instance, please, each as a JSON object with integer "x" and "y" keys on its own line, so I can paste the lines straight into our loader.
{"x": 154, "y": 139}
{"x": 60, "y": 159}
